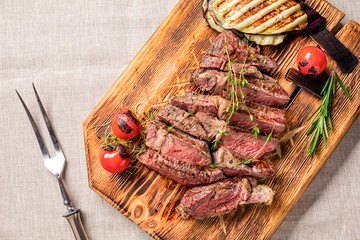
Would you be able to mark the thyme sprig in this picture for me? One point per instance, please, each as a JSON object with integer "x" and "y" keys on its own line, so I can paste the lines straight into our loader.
{"x": 319, "y": 127}
{"x": 234, "y": 86}
{"x": 246, "y": 161}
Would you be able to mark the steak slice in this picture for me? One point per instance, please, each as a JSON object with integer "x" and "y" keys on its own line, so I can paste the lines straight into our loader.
{"x": 215, "y": 199}
{"x": 193, "y": 102}
{"x": 262, "y": 91}
{"x": 239, "y": 50}
{"x": 222, "y": 197}
{"x": 261, "y": 194}
{"x": 247, "y": 145}
{"x": 211, "y": 62}
{"x": 235, "y": 168}
{"x": 186, "y": 173}
{"x": 182, "y": 120}
{"x": 267, "y": 119}
{"x": 176, "y": 144}
{"x": 210, "y": 123}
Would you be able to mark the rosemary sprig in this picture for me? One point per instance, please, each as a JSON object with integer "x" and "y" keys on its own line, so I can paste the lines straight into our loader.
{"x": 234, "y": 85}
{"x": 319, "y": 127}
{"x": 246, "y": 161}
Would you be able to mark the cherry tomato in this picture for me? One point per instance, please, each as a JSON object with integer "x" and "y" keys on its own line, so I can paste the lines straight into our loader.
{"x": 125, "y": 125}
{"x": 115, "y": 158}
{"x": 311, "y": 61}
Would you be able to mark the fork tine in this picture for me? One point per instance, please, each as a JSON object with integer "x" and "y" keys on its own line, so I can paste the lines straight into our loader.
{"x": 48, "y": 124}
{"x": 40, "y": 140}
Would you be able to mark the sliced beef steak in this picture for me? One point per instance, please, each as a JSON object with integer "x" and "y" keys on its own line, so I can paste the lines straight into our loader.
{"x": 261, "y": 194}
{"x": 214, "y": 199}
{"x": 247, "y": 145}
{"x": 210, "y": 123}
{"x": 193, "y": 102}
{"x": 211, "y": 62}
{"x": 233, "y": 166}
{"x": 176, "y": 144}
{"x": 222, "y": 197}
{"x": 267, "y": 119}
{"x": 186, "y": 173}
{"x": 262, "y": 91}
{"x": 182, "y": 120}
{"x": 237, "y": 50}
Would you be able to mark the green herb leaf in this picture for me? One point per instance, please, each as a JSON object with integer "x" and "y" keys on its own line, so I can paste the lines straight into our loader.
{"x": 213, "y": 165}
{"x": 251, "y": 118}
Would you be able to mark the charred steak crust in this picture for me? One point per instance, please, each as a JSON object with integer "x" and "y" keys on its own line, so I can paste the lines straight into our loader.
{"x": 181, "y": 120}
{"x": 187, "y": 174}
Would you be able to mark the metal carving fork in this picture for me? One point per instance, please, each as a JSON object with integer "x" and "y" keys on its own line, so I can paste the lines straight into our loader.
{"x": 55, "y": 166}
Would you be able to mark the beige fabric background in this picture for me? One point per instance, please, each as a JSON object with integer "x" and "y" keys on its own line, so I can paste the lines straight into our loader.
{"x": 74, "y": 51}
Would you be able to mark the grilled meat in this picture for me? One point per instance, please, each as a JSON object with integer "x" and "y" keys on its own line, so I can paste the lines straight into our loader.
{"x": 210, "y": 123}
{"x": 233, "y": 166}
{"x": 247, "y": 145}
{"x": 262, "y": 91}
{"x": 176, "y": 144}
{"x": 193, "y": 102}
{"x": 238, "y": 50}
{"x": 222, "y": 197}
{"x": 267, "y": 119}
{"x": 182, "y": 120}
{"x": 186, "y": 173}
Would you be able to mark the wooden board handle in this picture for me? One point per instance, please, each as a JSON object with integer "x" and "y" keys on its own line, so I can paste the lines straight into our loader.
{"x": 345, "y": 59}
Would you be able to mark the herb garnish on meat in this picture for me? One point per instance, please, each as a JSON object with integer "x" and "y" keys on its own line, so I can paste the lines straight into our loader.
{"x": 234, "y": 83}
{"x": 320, "y": 125}
{"x": 246, "y": 161}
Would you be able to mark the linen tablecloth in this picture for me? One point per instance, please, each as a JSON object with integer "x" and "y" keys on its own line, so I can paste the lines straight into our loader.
{"x": 74, "y": 51}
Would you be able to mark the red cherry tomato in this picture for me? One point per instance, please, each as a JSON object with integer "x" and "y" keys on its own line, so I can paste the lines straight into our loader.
{"x": 125, "y": 125}
{"x": 115, "y": 158}
{"x": 311, "y": 61}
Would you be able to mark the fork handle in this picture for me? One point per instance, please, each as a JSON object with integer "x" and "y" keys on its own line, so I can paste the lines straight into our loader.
{"x": 76, "y": 225}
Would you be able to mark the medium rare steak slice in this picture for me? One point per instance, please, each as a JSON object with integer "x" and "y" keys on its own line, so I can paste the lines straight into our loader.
{"x": 176, "y": 144}
{"x": 238, "y": 50}
{"x": 182, "y": 120}
{"x": 267, "y": 119}
{"x": 215, "y": 199}
{"x": 210, "y": 123}
{"x": 235, "y": 168}
{"x": 262, "y": 91}
{"x": 187, "y": 174}
{"x": 222, "y": 197}
{"x": 247, "y": 145}
{"x": 211, "y": 62}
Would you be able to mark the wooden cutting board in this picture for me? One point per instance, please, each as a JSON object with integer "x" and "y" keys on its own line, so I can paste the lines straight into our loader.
{"x": 157, "y": 73}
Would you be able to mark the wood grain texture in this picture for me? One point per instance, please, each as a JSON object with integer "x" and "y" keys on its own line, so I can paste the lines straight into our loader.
{"x": 149, "y": 199}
